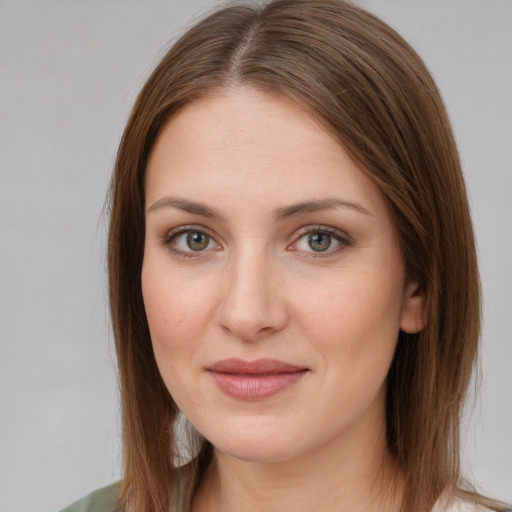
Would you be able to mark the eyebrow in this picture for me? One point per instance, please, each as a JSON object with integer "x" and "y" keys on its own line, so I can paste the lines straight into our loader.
{"x": 315, "y": 206}
{"x": 280, "y": 214}
{"x": 187, "y": 206}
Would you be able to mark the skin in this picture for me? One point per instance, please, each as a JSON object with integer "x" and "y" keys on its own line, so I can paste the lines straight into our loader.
{"x": 259, "y": 290}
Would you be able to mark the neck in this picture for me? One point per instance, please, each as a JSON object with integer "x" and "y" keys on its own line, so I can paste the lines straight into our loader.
{"x": 343, "y": 475}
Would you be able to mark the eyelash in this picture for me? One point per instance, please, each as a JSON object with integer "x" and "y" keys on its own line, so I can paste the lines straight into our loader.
{"x": 338, "y": 236}
{"x": 182, "y": 230}
{"x": 335, "y": 234}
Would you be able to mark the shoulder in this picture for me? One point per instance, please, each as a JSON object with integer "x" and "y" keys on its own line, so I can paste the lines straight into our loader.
{"x": 462, "y": 506}
{"x": 453, "y": 504}
{"x": 102, "y": 500}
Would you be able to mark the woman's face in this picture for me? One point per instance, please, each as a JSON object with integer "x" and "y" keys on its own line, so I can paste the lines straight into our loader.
{"x": 272, "y": 280}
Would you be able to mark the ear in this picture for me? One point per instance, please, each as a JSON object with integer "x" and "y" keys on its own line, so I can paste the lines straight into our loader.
{"x": 414, "y": 314}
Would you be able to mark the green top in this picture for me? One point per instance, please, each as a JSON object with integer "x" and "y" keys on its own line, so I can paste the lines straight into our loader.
{"x": 102, "y": 500}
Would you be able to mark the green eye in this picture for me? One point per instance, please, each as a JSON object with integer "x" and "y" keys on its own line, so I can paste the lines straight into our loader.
{"x": 319, "y": 242}
{"x": 190, "y": 242}
{"x": 197, "y": 241}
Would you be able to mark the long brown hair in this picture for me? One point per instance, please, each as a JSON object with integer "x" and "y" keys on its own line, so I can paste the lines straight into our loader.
{"x": 362, "y": 81}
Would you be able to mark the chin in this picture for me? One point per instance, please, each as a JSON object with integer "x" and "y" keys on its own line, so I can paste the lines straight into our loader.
{"x": 258, "y": 452}
{"x": 258, "y": 441}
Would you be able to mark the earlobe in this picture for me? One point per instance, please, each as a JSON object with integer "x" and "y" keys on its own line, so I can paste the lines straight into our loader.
{"x": 413, "y": 318}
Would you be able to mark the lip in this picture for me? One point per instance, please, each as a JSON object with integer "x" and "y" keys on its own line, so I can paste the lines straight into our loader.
{"x": 254, "y": 380}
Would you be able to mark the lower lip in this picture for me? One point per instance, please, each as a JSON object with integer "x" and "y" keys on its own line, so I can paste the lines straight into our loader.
{"x": 255, "y": 387}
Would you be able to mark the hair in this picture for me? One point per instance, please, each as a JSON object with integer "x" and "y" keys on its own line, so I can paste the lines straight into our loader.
{"x": 361, "y": 80}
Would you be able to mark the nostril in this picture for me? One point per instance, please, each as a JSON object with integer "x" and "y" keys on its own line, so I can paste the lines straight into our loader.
{"x": 251, "y": 327}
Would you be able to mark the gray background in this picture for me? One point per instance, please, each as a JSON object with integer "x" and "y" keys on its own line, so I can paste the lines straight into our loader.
{"x": 69, "y": 71}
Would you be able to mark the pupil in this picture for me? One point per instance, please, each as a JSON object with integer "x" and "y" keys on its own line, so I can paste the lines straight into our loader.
{"x": 319, "y": 242}
{"x": 197, "y": 241}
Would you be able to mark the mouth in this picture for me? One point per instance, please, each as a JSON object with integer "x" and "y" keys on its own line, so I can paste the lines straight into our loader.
{"x": 254, "y": 380}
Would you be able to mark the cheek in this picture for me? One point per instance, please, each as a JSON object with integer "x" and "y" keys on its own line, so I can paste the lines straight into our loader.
{"x": 177, "y": 312}
{"x": 353, "y": 321}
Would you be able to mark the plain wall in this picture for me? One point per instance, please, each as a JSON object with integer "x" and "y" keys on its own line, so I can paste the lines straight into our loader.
{"x": 69, "y": 72}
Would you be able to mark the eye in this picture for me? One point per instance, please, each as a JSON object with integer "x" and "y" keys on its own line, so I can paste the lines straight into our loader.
{"x": 320, "y": 240}
{"x": 186, "y": 241}
{"x": 197, "y": 241}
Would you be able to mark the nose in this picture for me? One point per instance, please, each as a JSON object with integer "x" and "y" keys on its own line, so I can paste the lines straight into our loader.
{"x": 252, "y": 305}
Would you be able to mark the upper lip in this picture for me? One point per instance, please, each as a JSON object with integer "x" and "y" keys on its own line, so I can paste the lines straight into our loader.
{"x": 256, "y": 367}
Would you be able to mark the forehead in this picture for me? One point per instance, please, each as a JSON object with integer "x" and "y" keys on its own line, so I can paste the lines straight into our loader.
{"x": 261, "y": 148}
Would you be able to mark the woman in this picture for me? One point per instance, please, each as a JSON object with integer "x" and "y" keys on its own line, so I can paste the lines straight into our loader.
{"x": 292, "y": 269}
